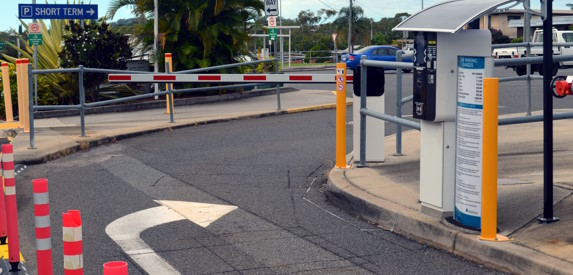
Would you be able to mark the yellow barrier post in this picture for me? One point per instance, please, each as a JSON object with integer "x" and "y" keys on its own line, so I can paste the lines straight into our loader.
{"x": 341, "y": 115}
{"x": 20, "y": 79}
{"x": 489, "y": 178}
{"x": 169, "y": 62}
{"x": 7, "y": 92}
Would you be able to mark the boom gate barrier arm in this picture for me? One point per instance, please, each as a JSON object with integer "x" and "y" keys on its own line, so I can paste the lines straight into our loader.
{"x": 226, "y": 78}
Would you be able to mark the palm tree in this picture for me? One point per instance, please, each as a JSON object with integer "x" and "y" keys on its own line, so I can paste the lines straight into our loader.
{"x": 198, "y": 32}
{"x": 360, "y": 25}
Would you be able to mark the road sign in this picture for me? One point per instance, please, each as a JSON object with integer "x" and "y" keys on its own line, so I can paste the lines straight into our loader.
{"x": 35, "y": 39}
{"x": 272, "y": 21}
{"x": 271, "y": 8}
{"x": 34, "y": 28}
{"x": 57, "y": 11}
{"x": 273, "y": 34}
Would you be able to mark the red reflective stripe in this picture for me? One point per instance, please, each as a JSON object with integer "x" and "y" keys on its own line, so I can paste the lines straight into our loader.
{"x": 168, "y": 55}
{"x": 9, "y": 182}
{"x": 8, "y": 165}
{"x": 23, "y": 61}
{"x": 165, "y": 77}
{"x": 119, "y": 78}
{"x": 40, "y": 185}
{"x": 209, "y": 77}
{"x": 74, "y": 271}
{"x": 41, "y": 210}
{"x": 349, "y": 77}
{"x": 4, "y": 64}
{"x": 7, "y": 149}
{"x": 73, "y": 248}
{"x": 300, "y": 78}
{"x": 255, "y": 77}
{"x": 43, "y": 233}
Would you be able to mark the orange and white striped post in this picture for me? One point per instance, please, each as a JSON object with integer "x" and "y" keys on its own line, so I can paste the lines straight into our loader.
{"x": 43, "y": 229}
{"x": 7, "y": 92}
{"x": 11, "y": 207}
{"x": 169, "y": 68}
{"x": 72, "y": 237}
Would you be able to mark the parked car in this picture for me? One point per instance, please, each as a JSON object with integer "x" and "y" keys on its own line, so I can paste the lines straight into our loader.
{"x": 380, "y": 53}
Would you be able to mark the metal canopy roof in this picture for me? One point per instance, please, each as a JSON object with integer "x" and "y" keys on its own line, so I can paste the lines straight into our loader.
{"x": 449, "y": 16}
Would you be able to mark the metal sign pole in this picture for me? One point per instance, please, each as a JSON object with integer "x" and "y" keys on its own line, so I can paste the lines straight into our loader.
{"x": 35, "y": 66}
{"x": 547, "y": 115}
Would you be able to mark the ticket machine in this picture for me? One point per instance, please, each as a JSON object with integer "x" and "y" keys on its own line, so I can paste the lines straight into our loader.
{"x": 440, "y": 38}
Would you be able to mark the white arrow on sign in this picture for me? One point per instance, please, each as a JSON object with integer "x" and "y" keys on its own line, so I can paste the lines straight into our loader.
{"x": 125, "y": 231}
{"x": 91, "y": 12}
{"x": 271, "y": 8}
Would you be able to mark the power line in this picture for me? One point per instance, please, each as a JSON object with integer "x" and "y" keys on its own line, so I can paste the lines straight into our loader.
{"x": 327, "y": 5}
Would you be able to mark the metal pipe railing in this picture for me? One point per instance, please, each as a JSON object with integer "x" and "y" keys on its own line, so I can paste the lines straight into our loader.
{"x": 530, "y": 119}
{"x": 83, "y": 105}
{"x": 225, "y": 66}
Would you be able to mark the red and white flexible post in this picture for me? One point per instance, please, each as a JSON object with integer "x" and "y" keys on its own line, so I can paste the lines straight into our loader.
{"x": 11, "y": 207}
{"x": 3, "y": 223}
{"x": 72, "y": 237}
{"x": 115, "y": 268}
{"x": 43, "y": 229}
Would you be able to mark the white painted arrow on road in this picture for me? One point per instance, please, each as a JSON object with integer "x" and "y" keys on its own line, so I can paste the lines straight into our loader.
{"x": 125, "y": 231}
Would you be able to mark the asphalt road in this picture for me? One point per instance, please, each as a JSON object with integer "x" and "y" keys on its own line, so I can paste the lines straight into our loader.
{"x": 268, "y": 173}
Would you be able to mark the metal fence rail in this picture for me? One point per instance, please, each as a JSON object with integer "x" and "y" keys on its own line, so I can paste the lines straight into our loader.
{"x": 82, "y": 106}
{"x": 399, "y": 121}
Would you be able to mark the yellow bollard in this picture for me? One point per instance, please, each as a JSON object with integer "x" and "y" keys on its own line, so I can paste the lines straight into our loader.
{"x": 489, "y": 166}
{"x": 25, "y": 115}
{"x": 169, "y": 61}
{"x": 21, "y": 81}
{"x": 341, "y": 115}
{"x": 7, "y": 92}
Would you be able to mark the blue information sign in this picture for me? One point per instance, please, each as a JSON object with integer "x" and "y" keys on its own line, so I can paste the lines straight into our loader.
{"x": 57, "y": 11}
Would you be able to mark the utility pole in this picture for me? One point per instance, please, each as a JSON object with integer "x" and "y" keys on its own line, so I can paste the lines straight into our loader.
{"x": 350, "y": 48}
{"x": 155, "y": 42}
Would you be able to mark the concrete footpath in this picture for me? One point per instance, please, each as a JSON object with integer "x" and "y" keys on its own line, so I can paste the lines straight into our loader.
{"x": 388, "y": 194}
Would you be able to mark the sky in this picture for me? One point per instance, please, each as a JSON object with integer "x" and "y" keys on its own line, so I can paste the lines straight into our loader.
{"x": 375, "y": 9}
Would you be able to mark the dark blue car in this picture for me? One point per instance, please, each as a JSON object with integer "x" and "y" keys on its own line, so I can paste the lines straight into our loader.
{"x": 379, "y": 53}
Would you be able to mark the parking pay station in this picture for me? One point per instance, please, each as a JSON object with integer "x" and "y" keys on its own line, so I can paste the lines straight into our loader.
{"x": 449, "y": 60}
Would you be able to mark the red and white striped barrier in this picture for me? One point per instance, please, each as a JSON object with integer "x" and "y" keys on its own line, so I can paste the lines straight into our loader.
{"x": 72, "y": 237}
{"x": 43, "y": 229}
{"x": 11, "y": 207}
{"x": 226, "y": 78}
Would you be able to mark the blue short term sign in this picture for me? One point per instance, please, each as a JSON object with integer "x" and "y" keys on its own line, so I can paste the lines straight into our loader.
{"x": 57, "y": 11}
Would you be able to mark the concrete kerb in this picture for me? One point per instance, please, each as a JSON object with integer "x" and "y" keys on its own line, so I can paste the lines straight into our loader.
{"x": 508, "y": 257}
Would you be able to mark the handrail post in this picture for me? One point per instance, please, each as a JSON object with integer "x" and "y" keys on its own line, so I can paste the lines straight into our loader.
{"x": 398, "y": 105}
{"x": 363, "y": 81}
{"x": 82, "y": 100}
{"x": 31, "y": 105}
{"x": 170, "y": 95}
